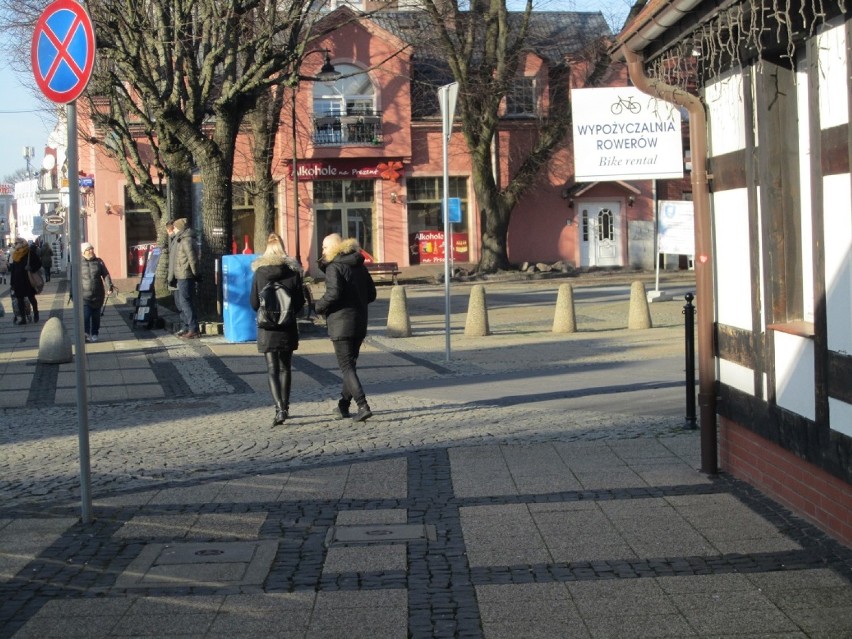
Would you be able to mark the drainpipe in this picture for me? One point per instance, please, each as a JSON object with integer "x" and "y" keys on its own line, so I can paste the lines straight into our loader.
{"x": 703, "y": 248}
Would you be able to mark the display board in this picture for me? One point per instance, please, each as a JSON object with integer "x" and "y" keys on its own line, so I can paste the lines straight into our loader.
{"x": 145, "y": 312}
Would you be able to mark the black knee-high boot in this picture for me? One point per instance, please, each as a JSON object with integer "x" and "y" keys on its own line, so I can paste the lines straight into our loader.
{"x": 278, "y": 367}
{"x": 273, "y": 368}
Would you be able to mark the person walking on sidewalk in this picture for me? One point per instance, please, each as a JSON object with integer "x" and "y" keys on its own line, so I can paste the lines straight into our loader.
{"x": 24, "y": 258}
{"x": 184, "y": 275}
{"x": 4, "y": 265}
{"x": 349, "y": 288}
{"x": 94, "y": 284}
{"x": 46, "y": 255}
{"x": 277, "y": 344}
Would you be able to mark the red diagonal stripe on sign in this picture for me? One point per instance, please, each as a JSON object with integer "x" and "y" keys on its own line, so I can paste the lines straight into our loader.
{"x": 62, "y": 49}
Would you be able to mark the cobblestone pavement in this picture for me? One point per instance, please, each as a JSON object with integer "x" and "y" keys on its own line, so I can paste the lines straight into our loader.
{"x": 531, "y": 485}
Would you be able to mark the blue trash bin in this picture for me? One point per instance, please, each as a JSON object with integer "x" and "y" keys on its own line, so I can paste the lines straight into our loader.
{"x": 237, "y": 313}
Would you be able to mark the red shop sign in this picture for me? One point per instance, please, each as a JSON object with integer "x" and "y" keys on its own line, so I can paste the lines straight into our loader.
{"x": 346, "y": 170}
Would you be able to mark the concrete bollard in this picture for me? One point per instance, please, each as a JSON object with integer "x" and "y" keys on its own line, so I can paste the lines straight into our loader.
{"x": 476, "y": 324}
{"x": 640, "y": 314}
{"x": 54, "y": 347}
{"x": 399, "y": 324}
{"x": 565, "y": 320}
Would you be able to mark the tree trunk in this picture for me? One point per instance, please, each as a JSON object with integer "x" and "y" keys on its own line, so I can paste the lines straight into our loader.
{"x": 494, "y": 214}
{"x": 264, "y": 120}
{"x": 178, "y": 204}
{"x": 216, "y": 232}
{"x": 495, "y": 231}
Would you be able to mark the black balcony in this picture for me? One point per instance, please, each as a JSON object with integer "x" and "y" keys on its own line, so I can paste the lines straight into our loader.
{"x": 354, "y": 128}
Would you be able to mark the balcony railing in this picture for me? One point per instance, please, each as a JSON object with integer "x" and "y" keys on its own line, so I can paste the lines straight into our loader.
{"x": 351, "y": 129}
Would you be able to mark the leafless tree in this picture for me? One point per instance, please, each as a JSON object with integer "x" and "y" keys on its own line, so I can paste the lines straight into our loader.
{"x": 483, "y": 43}
{"x": 180, "y": 77}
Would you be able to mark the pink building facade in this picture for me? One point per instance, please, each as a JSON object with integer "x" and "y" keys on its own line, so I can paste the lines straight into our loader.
{"x": 370, "y": 166}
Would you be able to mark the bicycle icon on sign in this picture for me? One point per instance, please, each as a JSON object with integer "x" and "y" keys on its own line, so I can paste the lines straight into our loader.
{"x": 628, "y": 103}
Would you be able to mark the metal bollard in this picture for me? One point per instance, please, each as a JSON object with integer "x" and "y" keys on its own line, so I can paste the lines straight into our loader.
{"x": 689, "y": 326}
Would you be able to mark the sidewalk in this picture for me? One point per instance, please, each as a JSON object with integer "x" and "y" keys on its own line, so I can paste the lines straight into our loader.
{"x": 535, "y": 485}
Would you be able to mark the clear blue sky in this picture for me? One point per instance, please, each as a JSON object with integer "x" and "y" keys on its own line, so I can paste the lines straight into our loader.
{"x": 26, "y": 121}
{"x": 23, "y": 122}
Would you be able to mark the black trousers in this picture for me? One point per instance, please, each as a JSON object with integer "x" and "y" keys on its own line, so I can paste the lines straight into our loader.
{"x": 347, "y": 351}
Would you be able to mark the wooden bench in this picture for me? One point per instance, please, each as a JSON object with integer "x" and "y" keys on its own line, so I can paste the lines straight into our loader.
{"x": 383, "y": 269}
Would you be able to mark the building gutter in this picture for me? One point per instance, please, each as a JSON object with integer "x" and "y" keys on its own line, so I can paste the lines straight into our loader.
{"x": 703, "y": 247}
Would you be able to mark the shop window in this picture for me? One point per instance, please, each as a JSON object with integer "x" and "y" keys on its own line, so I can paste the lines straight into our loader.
{"x": 425, "y": 196}
{"x": 345, "y": 207}
{"x": 139, "y": 232}
{"x": 521, "y": 99}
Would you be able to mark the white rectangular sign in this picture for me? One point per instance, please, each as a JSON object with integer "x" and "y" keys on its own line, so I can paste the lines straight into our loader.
{"x": 676, "y": 227}
{"x": 621, "y": 133}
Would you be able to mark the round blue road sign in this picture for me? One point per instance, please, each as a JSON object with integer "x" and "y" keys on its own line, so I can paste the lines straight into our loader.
{"x": 63, "y": 51}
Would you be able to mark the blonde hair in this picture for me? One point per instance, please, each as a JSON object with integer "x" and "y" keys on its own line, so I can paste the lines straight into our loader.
{"x": 329, "y": 244}
{"x": 275, "y": 246}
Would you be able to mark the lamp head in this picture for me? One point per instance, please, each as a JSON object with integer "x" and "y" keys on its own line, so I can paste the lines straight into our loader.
{"x": 328, "y": 74}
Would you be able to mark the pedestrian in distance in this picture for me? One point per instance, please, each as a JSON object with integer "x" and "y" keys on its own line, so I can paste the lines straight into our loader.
{"x": 4, "y": 266}
{"x": 46, "y": 255}
{"x": 183, "y": 276}
{"x": 349, "y": 288}
{"x": 171, "y": 280}
{"x": 95, "y": 281}
{"x": 24, "y": 258}
{"x": 277, "y": 344}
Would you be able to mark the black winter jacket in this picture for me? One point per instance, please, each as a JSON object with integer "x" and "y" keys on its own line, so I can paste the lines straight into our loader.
{"x": 19, "y": 280}
{"x": 93, "y": 276}
{"x": 349, "y": 288}
{"x": 272, "y": 268}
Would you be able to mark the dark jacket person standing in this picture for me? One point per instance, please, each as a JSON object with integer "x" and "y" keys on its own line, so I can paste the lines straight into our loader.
{"x": 278, "y": 344}
{"x": 46, "y": 255}
{"x": 185, "y": 275}
{"x": 349, "y": 288}
{"x": 94, "y": 284}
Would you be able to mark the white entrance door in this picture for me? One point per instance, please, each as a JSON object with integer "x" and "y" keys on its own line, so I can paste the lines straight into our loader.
{"x": 600, "y": 234}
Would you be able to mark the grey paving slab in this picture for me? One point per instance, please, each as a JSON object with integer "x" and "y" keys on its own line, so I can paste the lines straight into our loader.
{"x": 373, "y": 558}
{"x": 23, "y": 539}
{"x": 256, "y": 489}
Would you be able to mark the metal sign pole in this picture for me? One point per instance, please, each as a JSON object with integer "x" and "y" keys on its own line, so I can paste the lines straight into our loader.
{"x": 79, "y": 341}
{"x": 447, "y": 99}
{"x": 63, "y": 57}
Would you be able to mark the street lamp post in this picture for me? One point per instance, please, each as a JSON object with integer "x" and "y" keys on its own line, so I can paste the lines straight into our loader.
{"x": 328, "y": 75}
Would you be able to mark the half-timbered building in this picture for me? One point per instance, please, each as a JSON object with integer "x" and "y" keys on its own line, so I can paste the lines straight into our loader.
{"x": 767, "y": 87}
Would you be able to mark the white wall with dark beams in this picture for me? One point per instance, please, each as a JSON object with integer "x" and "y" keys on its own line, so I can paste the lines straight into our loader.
{"x": 781, "y": 202}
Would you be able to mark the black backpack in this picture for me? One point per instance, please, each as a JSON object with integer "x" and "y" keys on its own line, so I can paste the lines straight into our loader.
{"x": 275, "y": 310}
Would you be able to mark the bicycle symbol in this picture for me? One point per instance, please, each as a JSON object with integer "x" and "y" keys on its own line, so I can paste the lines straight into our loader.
{"x": 617, "y": 108}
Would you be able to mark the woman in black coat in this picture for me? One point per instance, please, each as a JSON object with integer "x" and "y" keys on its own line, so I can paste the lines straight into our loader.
{"x": 278, "y": 344}
{"x": 24, "y": 257}
{"x": 349, "y": 288}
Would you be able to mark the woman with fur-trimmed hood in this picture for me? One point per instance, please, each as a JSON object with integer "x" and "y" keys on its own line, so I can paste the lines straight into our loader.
{"x": 278, "y": 344}
{"x": 349, "y": 288}
{"x": 24, "y": 259}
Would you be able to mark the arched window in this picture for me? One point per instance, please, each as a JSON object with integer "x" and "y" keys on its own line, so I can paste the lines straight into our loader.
{"x": 605, "y": 230}
{"x": 352, "y": 94}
